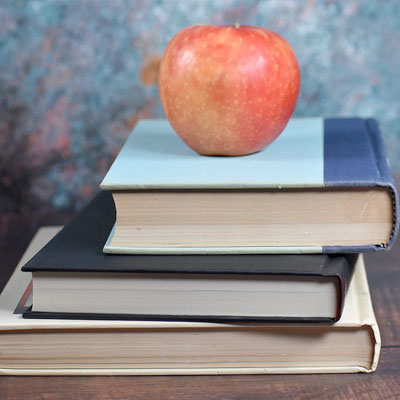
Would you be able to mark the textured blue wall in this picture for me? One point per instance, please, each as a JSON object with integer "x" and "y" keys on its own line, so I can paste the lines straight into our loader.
{"x": 75, "y": 76}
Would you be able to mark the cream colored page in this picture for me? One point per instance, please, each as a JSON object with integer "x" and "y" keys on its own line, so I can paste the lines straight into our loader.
{"x": 20, "y": 280}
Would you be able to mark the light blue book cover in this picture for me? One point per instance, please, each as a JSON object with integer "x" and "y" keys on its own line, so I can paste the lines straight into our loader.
{"x": 309, "y": 153}
{"x": 154, "y": 157}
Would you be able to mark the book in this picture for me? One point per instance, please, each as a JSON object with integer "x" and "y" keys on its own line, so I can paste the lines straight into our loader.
{"x": 73, "y": 278}
{"x": 96, "y": 347}
{"x": 323, "y": 186}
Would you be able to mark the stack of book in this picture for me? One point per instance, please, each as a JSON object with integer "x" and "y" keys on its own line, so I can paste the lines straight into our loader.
{"x": 187, "y": 264}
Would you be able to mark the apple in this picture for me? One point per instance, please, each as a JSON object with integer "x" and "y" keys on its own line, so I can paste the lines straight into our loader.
{"x": 228, "y": 90}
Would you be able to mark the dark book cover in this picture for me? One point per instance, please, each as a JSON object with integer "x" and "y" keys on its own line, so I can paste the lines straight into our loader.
{"x": 78, "y": 248}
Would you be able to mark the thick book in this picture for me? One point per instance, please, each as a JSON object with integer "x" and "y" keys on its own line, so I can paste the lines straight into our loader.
{"x": 323, "y": 186}
{"x": 73, "y": 278}
{"x": 93, "y": 347}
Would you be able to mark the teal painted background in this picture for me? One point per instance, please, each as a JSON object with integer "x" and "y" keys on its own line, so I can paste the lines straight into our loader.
{"x": 75, "y": 76}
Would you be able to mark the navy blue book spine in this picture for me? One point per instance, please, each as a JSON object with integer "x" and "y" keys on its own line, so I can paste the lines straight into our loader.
{"x": 354, "y": 156}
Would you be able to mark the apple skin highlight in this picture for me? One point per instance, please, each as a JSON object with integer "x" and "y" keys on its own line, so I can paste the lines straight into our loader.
{"x": 228, "y": 90}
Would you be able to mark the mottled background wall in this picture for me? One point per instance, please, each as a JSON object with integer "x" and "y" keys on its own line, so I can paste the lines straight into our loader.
{"x": 75, "y": 76}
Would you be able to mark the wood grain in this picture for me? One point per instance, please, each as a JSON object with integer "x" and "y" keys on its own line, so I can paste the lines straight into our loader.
{"x": 384, "y": 276}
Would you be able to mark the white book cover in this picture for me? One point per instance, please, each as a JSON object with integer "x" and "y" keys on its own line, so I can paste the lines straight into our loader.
{"x": 38, "y": 347}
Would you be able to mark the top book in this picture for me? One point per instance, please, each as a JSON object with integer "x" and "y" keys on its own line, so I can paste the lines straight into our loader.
{"x": 323, "y": 186}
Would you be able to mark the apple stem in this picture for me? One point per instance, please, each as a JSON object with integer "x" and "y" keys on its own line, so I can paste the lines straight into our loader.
{"x": 236, "y": 25}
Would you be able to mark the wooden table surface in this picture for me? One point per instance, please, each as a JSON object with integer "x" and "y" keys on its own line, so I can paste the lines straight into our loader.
{"x": 384, "y": 277}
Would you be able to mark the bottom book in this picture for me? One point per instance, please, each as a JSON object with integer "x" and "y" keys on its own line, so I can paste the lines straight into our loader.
{"x": 79, "y": 347}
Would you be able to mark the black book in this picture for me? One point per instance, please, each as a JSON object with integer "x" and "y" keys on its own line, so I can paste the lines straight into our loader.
{"x": 73, "y": 278}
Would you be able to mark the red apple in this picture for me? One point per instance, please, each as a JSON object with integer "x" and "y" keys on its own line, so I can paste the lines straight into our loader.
{"x": 228, "y": 90}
